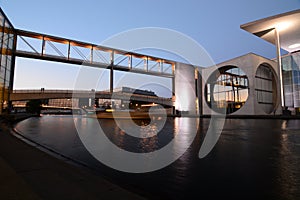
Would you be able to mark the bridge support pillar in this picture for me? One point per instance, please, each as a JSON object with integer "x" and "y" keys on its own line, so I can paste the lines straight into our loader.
{"x": 83, "y": 102}
{"x": 185, "y": 92}
{"x": 111, "y": 80}
{"x": 112, "y": 72}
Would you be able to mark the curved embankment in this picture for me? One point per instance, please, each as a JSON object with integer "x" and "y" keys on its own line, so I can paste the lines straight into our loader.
{"x": 28, "y": 173}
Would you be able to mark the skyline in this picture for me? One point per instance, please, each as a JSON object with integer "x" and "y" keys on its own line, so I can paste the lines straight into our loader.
{"x": 213, "y": 25}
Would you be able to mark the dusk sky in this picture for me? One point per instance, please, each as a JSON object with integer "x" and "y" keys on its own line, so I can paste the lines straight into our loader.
{"x": 214, "y": 25}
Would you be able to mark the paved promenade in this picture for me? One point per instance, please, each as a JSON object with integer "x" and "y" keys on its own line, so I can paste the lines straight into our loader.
{"x": 28, "y": 173}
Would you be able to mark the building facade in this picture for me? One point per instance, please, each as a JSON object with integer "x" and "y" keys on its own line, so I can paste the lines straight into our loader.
{"x": 246, "y": 85}
{"x": 7, "y": 60}
{"x": 291, "y": 81}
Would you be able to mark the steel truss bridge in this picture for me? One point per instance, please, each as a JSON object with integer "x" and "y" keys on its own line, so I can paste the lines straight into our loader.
{"x": 57, "y": 49}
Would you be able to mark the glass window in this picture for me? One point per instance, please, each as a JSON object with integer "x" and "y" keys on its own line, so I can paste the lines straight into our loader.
{"x": 1, "y": 19}
{"x": 265, "y": 88}
{"x": 7, "y": 75}
{"x": 6, "y": 24}
{"x": 3, "y": 61}
{"x": 10, "y": 41}
{"x": 227, "y": 89}
{"x": 1, "y": 81}
{"x": 7, "y": 40}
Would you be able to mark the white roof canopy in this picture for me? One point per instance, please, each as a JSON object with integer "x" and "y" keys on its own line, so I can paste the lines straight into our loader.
{"x": 287, "y": 25}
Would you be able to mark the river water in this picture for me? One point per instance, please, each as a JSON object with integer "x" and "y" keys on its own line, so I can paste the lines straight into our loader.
{"x": 253, "y": 158}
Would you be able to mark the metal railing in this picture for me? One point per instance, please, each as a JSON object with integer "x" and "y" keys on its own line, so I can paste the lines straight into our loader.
{"x": 47, "y": 47}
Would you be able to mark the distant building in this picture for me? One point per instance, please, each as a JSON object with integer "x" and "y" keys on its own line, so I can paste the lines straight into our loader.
{"x": 135, "y": 91}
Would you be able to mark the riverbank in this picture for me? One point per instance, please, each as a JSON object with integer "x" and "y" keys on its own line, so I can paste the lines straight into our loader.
{"x": 28, "y": 173}
{"x": 254, "y": 116}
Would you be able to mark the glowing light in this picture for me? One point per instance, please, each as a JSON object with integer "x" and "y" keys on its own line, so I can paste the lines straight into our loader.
{"x": 149, "y": 105}
{"x": 282, "y": 26}
{"x": 293, "y": 46}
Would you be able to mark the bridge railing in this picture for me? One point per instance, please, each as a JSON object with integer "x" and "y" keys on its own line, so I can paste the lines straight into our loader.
{"x": 52, "y": 48}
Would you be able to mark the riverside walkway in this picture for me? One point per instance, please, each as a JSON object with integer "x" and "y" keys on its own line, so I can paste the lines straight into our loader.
{"x": 27, "y": 173}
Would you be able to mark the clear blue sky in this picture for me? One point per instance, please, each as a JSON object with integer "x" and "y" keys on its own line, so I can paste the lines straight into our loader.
{"x": 213, "y": 24}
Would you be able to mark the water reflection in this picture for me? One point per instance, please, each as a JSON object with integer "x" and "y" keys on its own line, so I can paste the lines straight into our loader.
{"x": 182, "y": 129}
{"x": 289, "y": 162}
{"x": 253, "y": 159}
{"x": 137, "y": 154}
{"x": 151, "y": 139}
{"x": 148, "y": 143}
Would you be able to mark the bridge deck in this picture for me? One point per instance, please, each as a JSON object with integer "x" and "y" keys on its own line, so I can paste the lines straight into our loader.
{"x": 21, "y": 95}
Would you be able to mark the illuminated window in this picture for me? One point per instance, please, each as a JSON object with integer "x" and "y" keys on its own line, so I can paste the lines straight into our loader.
{"x": 227, "y": 89}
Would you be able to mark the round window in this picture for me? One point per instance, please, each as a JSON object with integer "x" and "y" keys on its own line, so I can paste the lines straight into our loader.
{"x": 226, "y": 90}
{"x": 265, "y": 88}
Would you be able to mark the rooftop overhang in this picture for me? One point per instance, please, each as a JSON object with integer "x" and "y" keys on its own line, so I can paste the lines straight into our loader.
{"x": 287, "y": 25}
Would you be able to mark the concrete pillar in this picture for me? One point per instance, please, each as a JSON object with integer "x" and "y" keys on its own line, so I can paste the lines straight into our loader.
{"x": 185, "y": 91}
{"x": 280, "y": 78}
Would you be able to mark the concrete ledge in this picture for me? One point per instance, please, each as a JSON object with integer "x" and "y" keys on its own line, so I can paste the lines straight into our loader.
{"x": 28, "y": 173}
{"x": 256, "y": 116}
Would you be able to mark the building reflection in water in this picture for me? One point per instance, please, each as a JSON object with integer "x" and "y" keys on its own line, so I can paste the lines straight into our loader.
{"x": 148, "y": 144}
{"x": 256, "y": 157}
{"x": 181, "y": 130}
{"x": 289, "y": 161}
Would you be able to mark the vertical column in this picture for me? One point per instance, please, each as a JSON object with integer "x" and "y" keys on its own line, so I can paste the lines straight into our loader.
{"x": 185, "y": 89}
{"x": 92, "y": 54}
{"x": 146, "y": 64}
{"x": 112, "y": 71}
{"x": 159, "y": 66}
{"x": 198, "y": 91}
{"x": 173, "y": 89}
{"x": 130, "y": 61}
{"x": 279, "y": 65}
{"x": 5, "y": 92}
{"x": 43, "y": 45}
{"x": 12, "y": 69}
{"x": 69, "y": 50}
{"x": 1, "y": 64}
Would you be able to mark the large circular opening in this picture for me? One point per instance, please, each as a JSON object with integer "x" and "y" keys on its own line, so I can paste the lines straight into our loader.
{"x": 265, "y": 88}
{"x": 226, "y": 90}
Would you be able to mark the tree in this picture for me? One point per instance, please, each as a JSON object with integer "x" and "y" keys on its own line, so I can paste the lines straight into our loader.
{"x": 34, "y": 106}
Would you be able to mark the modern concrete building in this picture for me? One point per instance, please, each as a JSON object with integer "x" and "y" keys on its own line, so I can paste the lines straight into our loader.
{"x": 283, "y": 31}
{"x": 252, "y": 84}
{"x": 246, "y": 85}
